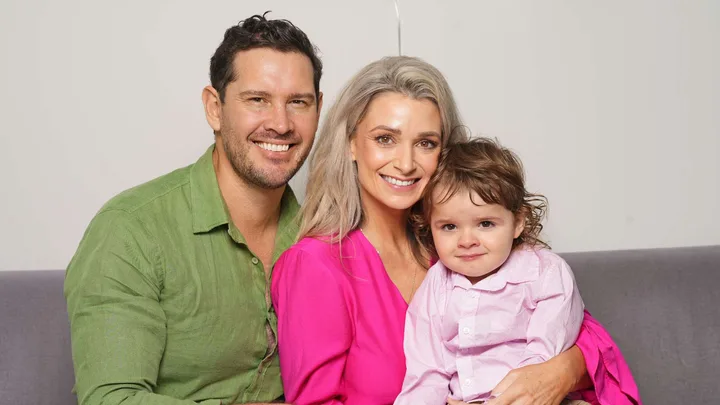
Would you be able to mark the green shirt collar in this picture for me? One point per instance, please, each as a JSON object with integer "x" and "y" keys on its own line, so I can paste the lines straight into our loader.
{"x": 209, "y": 210}
{"x": 208, "y": 207}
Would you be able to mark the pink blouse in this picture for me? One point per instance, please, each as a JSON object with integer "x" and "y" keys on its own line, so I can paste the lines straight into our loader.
{"x": 340, "y": 330}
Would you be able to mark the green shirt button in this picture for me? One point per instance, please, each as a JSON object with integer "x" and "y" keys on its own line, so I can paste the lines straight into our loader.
{"x": 254, "y": 260}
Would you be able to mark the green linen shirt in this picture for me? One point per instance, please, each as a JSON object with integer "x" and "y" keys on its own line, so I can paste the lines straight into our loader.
{"x": 167, "y": 304}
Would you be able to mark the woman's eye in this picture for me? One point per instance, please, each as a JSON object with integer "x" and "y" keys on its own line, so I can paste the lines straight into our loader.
{"x": 486, "y": 224}
{"x": 427, "y": 144}
{"x": 448, "y": 227}
{"x": 384, "y": 140}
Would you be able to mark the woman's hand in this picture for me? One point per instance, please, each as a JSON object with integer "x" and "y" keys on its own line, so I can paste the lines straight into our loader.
{"x": 529, "y": 385}
{"x": 547, "y": 383}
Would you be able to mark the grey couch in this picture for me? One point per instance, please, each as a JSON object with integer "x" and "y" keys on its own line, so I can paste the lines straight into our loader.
{"x": 660, "y": 306}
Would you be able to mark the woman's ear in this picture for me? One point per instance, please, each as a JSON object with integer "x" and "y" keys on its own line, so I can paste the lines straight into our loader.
{"x": 352, "y": 149}
{"x": 519, "y": 223}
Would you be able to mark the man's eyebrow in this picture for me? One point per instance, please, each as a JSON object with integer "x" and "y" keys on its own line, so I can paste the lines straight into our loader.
{"x": 265, "y": 94}
{"x": 307, "y": 96}
{"x": 254, "y": 93}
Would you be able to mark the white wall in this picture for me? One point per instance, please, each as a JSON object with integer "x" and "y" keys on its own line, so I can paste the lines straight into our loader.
{"x": 612, "y": 105}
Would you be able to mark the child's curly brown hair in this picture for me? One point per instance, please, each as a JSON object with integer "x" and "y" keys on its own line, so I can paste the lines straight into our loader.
{"x": 495, "y": 173}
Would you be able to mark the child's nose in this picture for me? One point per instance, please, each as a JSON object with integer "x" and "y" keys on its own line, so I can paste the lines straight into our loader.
{"x": 468, "y": 240}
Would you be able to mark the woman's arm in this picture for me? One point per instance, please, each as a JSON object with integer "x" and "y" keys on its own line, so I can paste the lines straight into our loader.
{"x": 594, "y": 362}
{"x": 545, "y": 383}
{"x": 315, "y": 329}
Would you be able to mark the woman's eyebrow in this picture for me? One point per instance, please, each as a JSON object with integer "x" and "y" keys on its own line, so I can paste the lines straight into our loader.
{"x": 387, "y": 128}
{"x": 428, "y": 134}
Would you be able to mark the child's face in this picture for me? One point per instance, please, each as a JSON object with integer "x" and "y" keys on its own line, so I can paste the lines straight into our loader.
{"x": 473, "y": 240}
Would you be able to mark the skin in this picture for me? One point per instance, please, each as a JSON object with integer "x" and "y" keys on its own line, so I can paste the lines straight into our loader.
{"x": 471, "y": 237}
{"x": 396, "y": 148}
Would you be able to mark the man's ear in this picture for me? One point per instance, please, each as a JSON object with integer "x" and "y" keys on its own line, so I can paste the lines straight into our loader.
{"x": 213, "y": 106}
{"x": 319, "y": 103}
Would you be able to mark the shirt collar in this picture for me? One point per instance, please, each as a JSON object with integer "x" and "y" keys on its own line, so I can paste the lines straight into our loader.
{"x": 208, "y": 207}
{"x": 209, "y": 210}
{"x": 522, "y": 266}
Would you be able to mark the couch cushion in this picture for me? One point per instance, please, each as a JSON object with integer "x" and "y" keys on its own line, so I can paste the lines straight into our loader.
{"x": 660, "y": 306}
{"x": 35, "y": 362}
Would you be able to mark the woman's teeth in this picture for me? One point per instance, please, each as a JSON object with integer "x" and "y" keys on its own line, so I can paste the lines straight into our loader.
{"x": 397, "y": 182}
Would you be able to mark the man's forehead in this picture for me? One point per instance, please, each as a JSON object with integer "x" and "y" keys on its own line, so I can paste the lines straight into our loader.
{"x": 266, "y": 69}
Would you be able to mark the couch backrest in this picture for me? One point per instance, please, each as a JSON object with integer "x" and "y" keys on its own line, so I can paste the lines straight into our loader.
{"x": 35, "y": 362}
{"x": 661, "y": 307}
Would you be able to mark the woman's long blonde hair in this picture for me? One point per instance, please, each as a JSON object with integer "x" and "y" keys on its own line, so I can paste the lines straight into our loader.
{"x": 332, "y": 206}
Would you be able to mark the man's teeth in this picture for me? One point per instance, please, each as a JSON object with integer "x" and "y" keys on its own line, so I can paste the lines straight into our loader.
{"x": 397, "y": 182}
{"x": 273, "y": 147}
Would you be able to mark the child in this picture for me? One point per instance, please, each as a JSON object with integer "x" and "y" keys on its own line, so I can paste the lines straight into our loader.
{"x": 498, "y": 299}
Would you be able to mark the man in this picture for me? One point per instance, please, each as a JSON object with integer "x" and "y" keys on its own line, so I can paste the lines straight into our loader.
{"x": 167, "y": 292}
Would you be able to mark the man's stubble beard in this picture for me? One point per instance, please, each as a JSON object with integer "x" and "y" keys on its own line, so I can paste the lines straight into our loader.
{"x": 238, "y": 153}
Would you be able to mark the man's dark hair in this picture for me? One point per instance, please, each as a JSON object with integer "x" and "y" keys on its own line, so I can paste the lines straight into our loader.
{"x": 259, "y": 32}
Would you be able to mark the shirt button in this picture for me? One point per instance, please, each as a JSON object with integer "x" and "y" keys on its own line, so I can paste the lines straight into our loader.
{"x": 466, "y": 331}
{"x": 254, "y": 260}
{"x": 468, "y": 382}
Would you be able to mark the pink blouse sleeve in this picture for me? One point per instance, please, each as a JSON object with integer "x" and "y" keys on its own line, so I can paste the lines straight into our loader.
{"x": 612, "y": 380}
{"x": 314, "y": 328}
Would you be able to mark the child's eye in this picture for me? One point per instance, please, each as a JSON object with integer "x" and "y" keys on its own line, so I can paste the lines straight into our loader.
{"x": 486, "y": 224}
{"x": 448, "y": 227}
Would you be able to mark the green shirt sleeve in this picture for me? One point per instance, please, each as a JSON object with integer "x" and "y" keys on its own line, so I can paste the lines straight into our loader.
{"x": 113, "y": 287}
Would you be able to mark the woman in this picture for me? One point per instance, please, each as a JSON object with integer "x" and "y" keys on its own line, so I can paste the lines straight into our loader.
{"x": 342, "y": 291}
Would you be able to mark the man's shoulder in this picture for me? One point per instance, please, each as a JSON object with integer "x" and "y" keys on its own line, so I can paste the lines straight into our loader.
{"x": 166, "y": 187}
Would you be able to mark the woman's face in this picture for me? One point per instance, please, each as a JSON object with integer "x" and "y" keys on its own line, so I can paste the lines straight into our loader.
{"x": 396, "y": 147}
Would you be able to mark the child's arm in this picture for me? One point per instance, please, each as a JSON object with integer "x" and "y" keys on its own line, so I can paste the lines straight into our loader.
{"x": 426, "y": 380}
{"x": 555, "y": 322}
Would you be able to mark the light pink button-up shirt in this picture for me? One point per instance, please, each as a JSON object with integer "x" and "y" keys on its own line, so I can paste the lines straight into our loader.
{"x": 462, "y": 339}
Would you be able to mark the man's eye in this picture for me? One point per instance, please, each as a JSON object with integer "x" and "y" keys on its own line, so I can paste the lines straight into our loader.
{"x": 256, "y": 99}
{"x": 299, "y": 102}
